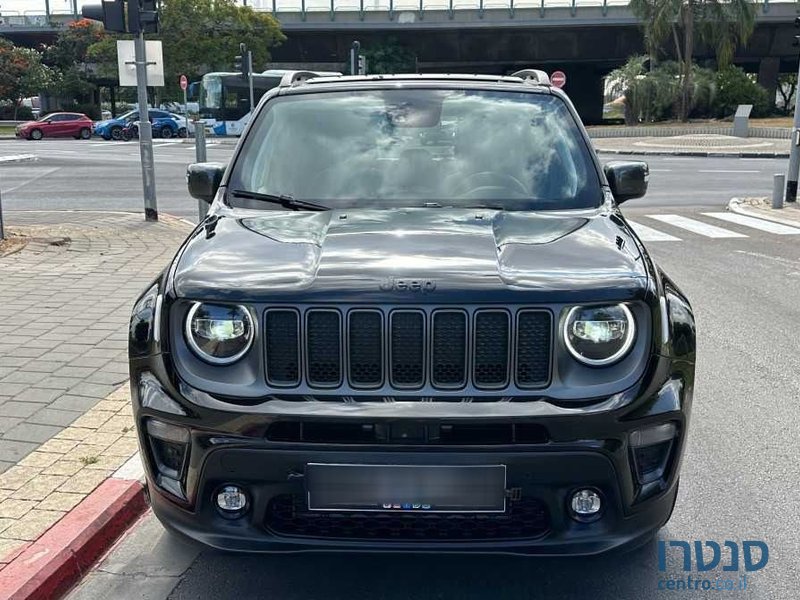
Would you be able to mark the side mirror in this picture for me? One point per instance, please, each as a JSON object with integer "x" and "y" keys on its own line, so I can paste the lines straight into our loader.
{"x": 203, "y": 180}
{"x": 628, "y": 179}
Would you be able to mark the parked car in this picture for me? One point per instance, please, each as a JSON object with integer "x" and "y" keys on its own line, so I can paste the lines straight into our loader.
{"x": 373, "y": 344}
{"x": 162, "y": 123}
{"x": 182, "y": 122}
{"x": 60, "y": 124}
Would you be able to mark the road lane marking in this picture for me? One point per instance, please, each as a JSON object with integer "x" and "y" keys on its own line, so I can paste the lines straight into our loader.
{"x": 32, "y": 179}
{"x": 725, "y": 171}
{"x": 697, "y": 227}
{"x": 777, "y": 259}
{"x": 661, "y": 170}
{"x": 648, "y": 234}
{"x": 755, "y": 223}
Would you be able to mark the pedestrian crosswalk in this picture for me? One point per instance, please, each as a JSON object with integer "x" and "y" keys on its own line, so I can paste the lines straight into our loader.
{"x": 676, "y": 228}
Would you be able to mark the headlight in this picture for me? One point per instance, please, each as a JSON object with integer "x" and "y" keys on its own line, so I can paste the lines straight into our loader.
{"x": 218, "y": 333}
{"x": 599, "y": 335}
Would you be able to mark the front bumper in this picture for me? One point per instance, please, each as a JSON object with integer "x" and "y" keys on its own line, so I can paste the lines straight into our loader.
{"x": 578, "y": 449}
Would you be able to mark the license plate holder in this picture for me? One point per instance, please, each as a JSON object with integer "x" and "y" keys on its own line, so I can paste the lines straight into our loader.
{"x": 406, "y": 488}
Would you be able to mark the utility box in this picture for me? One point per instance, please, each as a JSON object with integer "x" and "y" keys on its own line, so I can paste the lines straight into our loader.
{"x": 740, "y": 120}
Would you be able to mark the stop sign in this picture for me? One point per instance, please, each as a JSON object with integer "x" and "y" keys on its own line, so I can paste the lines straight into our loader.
{"x": 185, "y": 82}
{"x": 558, "y": 79}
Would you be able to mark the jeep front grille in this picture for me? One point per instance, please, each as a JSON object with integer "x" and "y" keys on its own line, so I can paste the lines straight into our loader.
{"x": 408, "y": 348}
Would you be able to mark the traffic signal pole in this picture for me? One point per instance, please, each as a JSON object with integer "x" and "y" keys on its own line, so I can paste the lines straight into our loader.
{"x": 794, "y": 149}
{"x": 145, "y": 131}
{"x": 250, "y": 81}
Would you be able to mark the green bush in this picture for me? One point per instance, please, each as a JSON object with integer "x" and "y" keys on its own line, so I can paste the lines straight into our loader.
{"x": 735, "y": 87}
{"x": 24, "y": 113}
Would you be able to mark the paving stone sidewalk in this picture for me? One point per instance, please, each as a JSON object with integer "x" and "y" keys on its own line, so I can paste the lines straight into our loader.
{"x": 65, "y": 299}
{"x": 45, "y": 485}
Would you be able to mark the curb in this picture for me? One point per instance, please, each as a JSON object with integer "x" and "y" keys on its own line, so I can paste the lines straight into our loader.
{"x": 694, "y": 153}
{"x": 48, "y": 567}
{"x": 735, "y": 206}
{"x": 17, "y": 158}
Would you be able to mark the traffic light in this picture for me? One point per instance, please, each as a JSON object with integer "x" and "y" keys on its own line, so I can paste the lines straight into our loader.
{"x": 111, "y": 13}
{"x": 143, "y": 16}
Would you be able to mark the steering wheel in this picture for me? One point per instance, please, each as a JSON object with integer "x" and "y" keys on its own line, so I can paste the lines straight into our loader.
{"x": 482, "y": 182}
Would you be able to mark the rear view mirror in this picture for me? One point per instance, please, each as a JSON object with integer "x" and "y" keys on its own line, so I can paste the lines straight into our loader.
{"x": 627, "y": 179}
{"x": 203, "y": 180}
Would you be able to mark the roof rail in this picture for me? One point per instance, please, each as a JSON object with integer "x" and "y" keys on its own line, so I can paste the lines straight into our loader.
{"x": 534, "y": 75}
{"x": 291, "y": 78}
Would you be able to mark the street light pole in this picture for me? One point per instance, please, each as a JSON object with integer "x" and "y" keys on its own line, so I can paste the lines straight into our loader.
{"x": 145, "y": 131}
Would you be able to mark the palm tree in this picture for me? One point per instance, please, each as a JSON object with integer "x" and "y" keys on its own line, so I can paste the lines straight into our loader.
{"x": 722, "y": 24}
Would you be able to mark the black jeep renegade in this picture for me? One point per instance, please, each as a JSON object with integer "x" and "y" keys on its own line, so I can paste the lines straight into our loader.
{"x": 414, "y": 318}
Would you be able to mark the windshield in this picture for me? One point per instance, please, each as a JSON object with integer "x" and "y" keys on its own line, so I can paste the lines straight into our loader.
{"x": 211, "y": 91}
{"x": 420, "y": 147}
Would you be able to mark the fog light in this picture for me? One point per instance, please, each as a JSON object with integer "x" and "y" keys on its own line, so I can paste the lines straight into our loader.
{"x": 586, "y": 504}
{"x": 231, "y": 499}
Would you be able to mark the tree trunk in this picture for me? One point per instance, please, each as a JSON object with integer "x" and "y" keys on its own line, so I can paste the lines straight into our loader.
{"x": 678, "y": 53}
{"x": 688, "y": 50}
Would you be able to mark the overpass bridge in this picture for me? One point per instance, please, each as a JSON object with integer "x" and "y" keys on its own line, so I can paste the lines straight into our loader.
{"x": 584, "y": 38}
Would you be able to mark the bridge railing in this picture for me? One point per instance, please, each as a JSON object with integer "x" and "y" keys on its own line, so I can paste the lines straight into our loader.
{"x": 10, "y": 19}
{"x": 393, "y": 6}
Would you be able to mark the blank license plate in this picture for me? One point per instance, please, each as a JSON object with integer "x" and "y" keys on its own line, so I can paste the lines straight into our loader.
{"x": 411, "y": 488}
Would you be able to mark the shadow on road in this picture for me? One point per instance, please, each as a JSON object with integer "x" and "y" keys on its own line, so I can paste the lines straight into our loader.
{"x": 631, "y": 575}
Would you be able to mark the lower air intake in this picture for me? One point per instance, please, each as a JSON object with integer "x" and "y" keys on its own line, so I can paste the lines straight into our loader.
{"x": 287, "y": 515}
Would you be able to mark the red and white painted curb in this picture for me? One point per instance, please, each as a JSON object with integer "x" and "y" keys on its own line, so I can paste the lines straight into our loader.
{"x": 48, "y": 567}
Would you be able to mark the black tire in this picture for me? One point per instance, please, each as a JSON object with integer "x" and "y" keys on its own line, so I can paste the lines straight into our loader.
{"x": 116, "y": 133}
{"x": 166, "y": 133}
{"x": 36, "y": 134}
{"x": 125, "y": 135}
{"x": 182, "y": 133}
{"x": 85, "y": 134}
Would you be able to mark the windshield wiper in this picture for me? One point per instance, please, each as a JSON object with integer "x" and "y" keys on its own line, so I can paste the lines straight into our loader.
{"x": 283, "y": 199}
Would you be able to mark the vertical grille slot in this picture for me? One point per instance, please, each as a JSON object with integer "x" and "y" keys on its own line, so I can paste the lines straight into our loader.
{"x": 365, "y": 348}
{"x": 282, "y": 334}
{"x": 534, "y": 333}
{"x": 407, "y": 348}
{"x": 491, "y": 348}
{"x": 323, "y": 348}
{"x": 449, "y": 349}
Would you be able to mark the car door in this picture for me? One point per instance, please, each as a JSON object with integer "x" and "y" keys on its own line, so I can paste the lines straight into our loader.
{"x": 50, "y": 126}
{"x": 71, "y": 125}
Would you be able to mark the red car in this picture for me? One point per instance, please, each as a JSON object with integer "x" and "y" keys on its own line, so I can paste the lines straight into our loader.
{"x": 60, "y": 124}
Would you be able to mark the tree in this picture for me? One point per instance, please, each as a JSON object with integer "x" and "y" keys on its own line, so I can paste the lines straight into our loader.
{"x": 787, "y": 84}
{"x": 722, "y": 24}
{"x": 69, "y": 58}
{"x": 22, "y": 73}
{"x": 390, "y": 57}
{"x": 199, "y": 36}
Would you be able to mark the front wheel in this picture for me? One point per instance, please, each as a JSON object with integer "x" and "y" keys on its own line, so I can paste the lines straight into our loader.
{"x": 116, "y": 133}
{"x": 182, "y": 133}
{"x": 36, "y": 134}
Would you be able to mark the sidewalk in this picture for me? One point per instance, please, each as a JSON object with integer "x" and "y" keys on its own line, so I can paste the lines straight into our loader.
{"x": 761, "y": 207}
{"x": 67, "y": 283}
{"x": 695, "y": 145}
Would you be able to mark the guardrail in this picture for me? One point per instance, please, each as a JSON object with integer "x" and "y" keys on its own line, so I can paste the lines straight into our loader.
{"x": 421, "y": 6}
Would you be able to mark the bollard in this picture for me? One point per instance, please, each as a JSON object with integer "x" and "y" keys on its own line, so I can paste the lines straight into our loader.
{"x": 200, "y": 156}
{"x": 777, "y": 190}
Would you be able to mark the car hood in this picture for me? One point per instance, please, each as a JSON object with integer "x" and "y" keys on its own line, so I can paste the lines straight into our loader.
{"x": 26, "y": 124}
{"x": 378, "y": 255}
{"x": 107, "y": 122}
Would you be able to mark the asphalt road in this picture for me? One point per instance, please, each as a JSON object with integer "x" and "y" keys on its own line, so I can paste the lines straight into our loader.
{"x": 92, "y": 175}
{"x": 741, "y": 469}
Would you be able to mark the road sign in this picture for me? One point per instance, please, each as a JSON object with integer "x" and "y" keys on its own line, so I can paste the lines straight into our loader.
{"x": 558, "y": 79}
{"x": 126, "y": 61}
{"x": 184, "y": 82}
